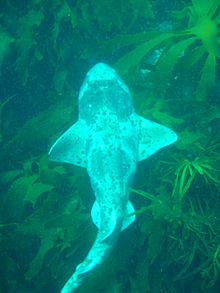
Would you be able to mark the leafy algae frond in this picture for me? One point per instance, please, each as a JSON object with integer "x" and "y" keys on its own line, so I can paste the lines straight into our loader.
{"x": 187, "y": 216}
{"x": 186, "y": 170}
{"x": 199, "y": 40}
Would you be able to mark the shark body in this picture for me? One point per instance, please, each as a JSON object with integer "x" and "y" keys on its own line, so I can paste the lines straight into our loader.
{"x": 108, "y": 140}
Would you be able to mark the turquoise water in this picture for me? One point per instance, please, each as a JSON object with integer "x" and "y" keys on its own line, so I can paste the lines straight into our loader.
{"x": 167, "y": 52}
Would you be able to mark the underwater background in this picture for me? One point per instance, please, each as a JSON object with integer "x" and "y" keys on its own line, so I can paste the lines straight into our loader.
{"x": 168, "y": 53}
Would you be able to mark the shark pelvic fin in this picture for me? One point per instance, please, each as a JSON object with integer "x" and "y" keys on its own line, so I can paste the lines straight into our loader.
{"x": 70, "y": 147}
{"x": 127, "y": 221}
{"x": 151, "y": 136}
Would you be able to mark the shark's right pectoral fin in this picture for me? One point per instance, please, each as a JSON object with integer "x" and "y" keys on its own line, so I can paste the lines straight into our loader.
{"x": 129, "y": 218}
{"x": 151, "y": 136}
{"x": 70, "y": 147}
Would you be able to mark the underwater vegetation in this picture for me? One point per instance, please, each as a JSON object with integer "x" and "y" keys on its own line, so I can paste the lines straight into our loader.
{"x": 168, "y": 53}
{"x": 188, "y": 224}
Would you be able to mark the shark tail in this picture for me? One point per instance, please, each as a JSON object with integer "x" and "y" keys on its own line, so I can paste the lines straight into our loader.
{"x": 97, "y": 254}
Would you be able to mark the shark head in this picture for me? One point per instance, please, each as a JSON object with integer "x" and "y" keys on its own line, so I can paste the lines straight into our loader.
{"x": 102, "y": 82}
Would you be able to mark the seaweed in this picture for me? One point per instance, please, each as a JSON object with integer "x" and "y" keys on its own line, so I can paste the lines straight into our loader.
{"x": 196, "y": 43}
{"x": 109, "y": 16}
{"x": 186, "y": 170}
{"x": 183, "y": 228}
{"x": 5, "y": 40}
{"x": 34, "y": 210}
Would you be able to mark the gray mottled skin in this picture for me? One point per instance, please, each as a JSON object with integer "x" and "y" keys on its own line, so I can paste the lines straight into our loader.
{"x": 108, "y": 140}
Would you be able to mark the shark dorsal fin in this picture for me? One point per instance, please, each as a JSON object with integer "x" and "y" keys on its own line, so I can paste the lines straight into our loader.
{"x": 128, "y": 219}
{"x": 151, "y": 136}
{"x": 70, "y": 147}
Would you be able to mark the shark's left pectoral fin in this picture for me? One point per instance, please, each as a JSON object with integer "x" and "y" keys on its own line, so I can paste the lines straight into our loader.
{"x": 70, "y": 147}
{"x": 129, "y": 217}
{"x": 151, "y": 136}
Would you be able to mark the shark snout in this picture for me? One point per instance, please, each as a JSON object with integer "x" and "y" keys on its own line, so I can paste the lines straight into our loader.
{"x": 101, "y": 71}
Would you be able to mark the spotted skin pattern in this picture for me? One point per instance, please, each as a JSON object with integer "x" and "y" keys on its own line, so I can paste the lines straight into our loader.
{"x": 108, "y": 140}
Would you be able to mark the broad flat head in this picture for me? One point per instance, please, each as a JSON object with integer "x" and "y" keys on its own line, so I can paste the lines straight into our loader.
{"x": 103, "y": 91}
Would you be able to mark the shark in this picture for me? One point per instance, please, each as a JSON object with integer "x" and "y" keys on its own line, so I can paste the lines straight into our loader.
{"x": 108, "y": 140}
